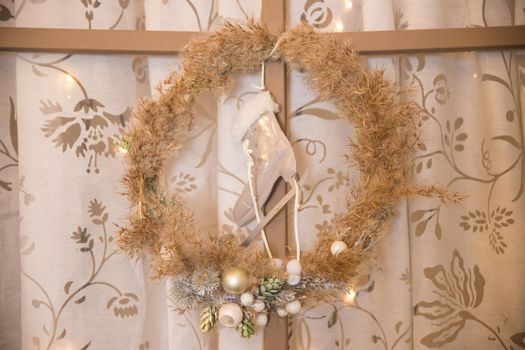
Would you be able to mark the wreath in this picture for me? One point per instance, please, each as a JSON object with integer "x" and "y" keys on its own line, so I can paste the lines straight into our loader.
{"x": 240, "y": 286}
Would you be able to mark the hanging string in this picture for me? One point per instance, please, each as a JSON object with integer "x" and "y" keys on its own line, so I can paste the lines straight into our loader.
{"x": 295, "y": 218}
{"x": 295, "y": 185}
{"x": 262, "y": 87}
{"x": 248, "y": 151}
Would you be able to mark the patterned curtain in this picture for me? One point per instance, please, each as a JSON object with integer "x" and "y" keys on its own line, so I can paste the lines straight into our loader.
{"x": 446, "y": 277}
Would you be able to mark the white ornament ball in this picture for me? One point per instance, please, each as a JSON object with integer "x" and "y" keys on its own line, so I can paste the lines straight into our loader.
{"x": 261, "y": 320}
{"x": 338, "y": 247}
{"x": 247, "y": 299}
{"x": 230, "y": 315}
{"x": 258, "y": 306}
{"x": 294, "y": 279}
{"x": 281, "y": 312}
{"x": 277, "y": 263}
{"x": 293, "y": 307}
{"x": 294, "y": 267}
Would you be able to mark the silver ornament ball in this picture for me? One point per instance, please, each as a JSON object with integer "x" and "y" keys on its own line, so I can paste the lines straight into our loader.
{"x": 247, "y": 299}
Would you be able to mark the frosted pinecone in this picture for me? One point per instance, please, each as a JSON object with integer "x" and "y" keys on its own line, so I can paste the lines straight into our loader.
{"x": 205, "y": 282}
{"x": 183, "y": 293}
{"x": 246, "y": 328}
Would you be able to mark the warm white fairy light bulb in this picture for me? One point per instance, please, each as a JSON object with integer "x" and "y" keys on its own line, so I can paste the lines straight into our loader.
{"x": 339, "y": 26}
{"x": 350, "y": 296}
{"x": 69, "y": 81}
{"x": 122, "y": 145}
{"x": 348, "y": 5}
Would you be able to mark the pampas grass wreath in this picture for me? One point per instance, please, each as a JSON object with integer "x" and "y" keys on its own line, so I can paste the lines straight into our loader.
{"x": 386, "y": 130}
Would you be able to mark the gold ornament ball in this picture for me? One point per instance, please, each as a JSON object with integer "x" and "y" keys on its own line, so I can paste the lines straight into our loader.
{"x": 235, "y": 280}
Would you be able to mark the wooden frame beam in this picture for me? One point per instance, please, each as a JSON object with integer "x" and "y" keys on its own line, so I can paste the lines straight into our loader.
{"x": 93, "y": 41}
{"x": 273, "y": 14}
{"x": 437, "y": 40}
{"x": 165, "y": 42}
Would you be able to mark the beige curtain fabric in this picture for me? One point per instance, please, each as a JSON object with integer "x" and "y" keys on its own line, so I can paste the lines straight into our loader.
{"x": 446, "y": 277}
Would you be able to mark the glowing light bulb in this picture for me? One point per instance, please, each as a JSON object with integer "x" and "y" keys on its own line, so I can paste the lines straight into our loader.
{"x": 69, "y": 80}
{"x": 475, "y": 75}
{"x": 348, "y": 5}
{"x": 339, "y": 26}
{"x": 122, "y": 145}
{"x": 349, "y": 296}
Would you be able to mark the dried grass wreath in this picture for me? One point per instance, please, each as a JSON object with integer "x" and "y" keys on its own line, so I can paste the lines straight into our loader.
{"x": 240, "y": 286}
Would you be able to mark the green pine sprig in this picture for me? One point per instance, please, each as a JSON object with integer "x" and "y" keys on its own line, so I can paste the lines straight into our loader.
{"x": 270, "y": 286}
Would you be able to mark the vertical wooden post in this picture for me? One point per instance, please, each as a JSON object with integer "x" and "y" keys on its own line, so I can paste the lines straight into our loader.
{"x": 273, "y": 14}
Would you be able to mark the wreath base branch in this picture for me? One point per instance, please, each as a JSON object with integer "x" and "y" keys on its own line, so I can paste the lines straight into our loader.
{"x": 201, "y": 266}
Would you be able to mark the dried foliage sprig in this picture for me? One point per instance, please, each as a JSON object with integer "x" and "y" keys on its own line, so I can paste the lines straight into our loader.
{"x": 386, "y": 130}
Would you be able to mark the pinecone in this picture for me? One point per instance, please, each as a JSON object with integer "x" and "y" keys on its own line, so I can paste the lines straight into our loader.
{"x": 246, "y": 328}
{"x": 209, "y": 317}
{"x": 183, "y": 294}
{"x": 270, "y": 286}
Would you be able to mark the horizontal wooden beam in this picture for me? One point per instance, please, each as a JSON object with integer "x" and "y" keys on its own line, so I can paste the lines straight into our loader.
{"x": 437, "y": 40}
{"x": 93, "y": 41}
{"x": 165, "y": 42}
